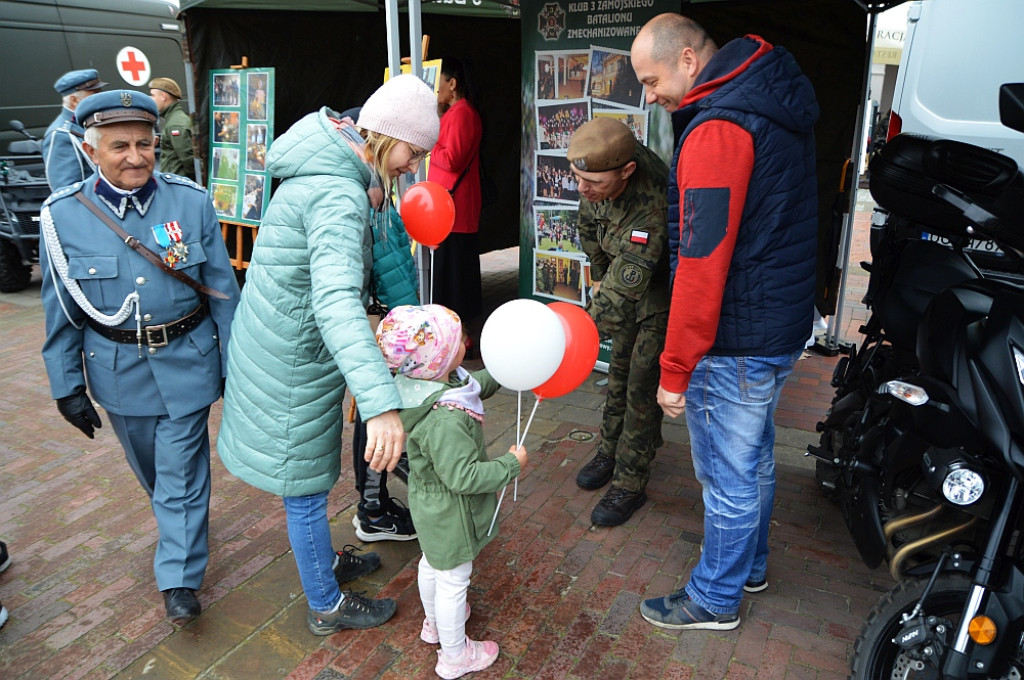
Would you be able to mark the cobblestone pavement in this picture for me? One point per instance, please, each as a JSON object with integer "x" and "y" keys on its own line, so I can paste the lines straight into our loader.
{"x": 559, "y": 596}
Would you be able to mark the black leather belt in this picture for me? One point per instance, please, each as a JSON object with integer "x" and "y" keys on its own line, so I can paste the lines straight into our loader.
{"x": 154, "y": 336}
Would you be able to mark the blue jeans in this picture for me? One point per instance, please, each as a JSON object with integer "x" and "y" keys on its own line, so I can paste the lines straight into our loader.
{"x": 310, "y": 536}
{"x": 730, "y": 405}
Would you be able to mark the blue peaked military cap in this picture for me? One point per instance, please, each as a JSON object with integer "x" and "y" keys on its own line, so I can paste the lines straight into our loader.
{"x": 116, "y": 106}
{"x": 74, "y": 81}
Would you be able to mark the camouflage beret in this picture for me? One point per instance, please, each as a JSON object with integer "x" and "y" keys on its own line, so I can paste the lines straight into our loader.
{"x": 601, "y": 144}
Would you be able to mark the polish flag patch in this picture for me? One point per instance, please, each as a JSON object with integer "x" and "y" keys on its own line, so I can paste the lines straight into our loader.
{"x": 175, "y": 132}
{"x": 638, "y": 236}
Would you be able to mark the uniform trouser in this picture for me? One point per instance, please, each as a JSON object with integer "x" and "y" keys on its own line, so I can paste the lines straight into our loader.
{"x": 171, "y": 459}
{"x": 631, "y": 428}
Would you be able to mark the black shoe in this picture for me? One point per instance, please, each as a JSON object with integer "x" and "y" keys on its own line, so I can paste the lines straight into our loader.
{"x": 5, "y": 558}
{"x": 349, "y": 567}
{"x": 393, "y": 524}
{"x": 355, "y": 612}
{"x": 182, "y": 605}
{"x": 617, "y": 506}
{"x": 596, "y": 473}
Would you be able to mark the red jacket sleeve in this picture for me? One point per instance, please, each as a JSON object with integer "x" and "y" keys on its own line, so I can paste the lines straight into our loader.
{"x": 713, "y": 173}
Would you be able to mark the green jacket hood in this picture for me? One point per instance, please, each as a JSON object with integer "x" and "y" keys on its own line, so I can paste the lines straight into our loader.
{"x": 314, "y": 147}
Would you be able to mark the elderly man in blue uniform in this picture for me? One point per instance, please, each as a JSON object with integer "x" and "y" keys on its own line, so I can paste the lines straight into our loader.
{"x": 138, "y": 295}
{"x": 66, "y": 161}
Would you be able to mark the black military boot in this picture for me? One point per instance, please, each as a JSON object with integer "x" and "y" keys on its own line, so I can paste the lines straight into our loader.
{"x": 596, "y": 473}
{"x": 617, "y": 506}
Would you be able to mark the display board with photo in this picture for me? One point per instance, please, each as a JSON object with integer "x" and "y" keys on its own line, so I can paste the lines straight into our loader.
{"x": 554, "y": 180}
{"x": 571, "y": 87}
{"x": 612, "y": 79}
{"x": 562, "y": 74}
{"x": 558, "y": 276}
{"x": 637, "y": 121}
{"x": 557, "y": 230}
{"x": 241, "y": 129}
{"x": 557, "y": 121}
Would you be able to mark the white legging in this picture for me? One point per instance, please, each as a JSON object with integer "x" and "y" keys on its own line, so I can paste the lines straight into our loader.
{"x": 443, "y": 593}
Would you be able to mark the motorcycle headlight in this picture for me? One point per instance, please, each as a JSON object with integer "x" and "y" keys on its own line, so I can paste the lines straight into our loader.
{"x": 963, "y": 486}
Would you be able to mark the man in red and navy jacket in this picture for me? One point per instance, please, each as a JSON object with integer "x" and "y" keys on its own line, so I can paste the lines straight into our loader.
{"x": 742, "y": 244}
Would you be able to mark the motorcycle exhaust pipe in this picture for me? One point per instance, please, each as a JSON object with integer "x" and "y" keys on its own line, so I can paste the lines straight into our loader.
{"x": 892, "y": 526}
{"x": 901, "y": 555}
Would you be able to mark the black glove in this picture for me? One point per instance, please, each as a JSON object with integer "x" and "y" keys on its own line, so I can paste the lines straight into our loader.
{"x": 77, "y": 409}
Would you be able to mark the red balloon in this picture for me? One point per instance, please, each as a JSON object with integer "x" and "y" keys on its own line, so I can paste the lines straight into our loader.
{"x": 428, "y": 212}
{"x": 581, "y": 348}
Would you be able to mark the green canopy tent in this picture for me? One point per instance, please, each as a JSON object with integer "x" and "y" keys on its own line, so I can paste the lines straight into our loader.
{"x": 333, "y": 52}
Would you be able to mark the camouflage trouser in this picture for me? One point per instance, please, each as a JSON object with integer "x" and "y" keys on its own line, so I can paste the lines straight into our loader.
{"x": 631, "y": 428}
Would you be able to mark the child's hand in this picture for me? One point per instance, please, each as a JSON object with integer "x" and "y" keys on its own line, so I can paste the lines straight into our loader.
{"x": 520, "y": 454}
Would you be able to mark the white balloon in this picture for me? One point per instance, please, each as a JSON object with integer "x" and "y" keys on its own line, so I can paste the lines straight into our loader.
{"x": 522, "y": 344}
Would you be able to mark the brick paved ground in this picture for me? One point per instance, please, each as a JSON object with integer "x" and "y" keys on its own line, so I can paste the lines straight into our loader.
{"x": 560, "y": 597}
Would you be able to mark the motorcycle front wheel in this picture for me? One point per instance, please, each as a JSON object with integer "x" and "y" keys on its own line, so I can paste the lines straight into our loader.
{"x": 877, "y": 657}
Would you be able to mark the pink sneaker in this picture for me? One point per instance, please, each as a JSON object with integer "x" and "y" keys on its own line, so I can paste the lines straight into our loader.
{"x": 429, "y": 631}
{"x": 475, "y": 657}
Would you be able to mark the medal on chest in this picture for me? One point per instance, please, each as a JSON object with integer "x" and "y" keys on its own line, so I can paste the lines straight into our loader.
{"x": 168, "y": 235}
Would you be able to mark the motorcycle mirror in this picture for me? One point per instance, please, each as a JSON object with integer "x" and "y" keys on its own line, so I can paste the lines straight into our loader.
{"x": 18, "y": 126}
{"x": 1011, "y": 106}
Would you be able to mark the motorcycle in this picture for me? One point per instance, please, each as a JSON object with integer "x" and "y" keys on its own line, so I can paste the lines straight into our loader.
{"x": 923, "y": 446}
{"x": 23, "y": 188}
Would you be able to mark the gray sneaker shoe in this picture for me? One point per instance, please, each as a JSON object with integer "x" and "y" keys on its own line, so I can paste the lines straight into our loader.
{"x": 348, "y": 566}
{"x": 355, "y": 612}
{"x": 678, "y": 612}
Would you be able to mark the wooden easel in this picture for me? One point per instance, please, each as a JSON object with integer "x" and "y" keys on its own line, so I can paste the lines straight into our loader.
{"x": 243, "y": 234}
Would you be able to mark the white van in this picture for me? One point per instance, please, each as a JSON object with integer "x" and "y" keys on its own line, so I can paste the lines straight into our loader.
{"x": 956, "y": 55}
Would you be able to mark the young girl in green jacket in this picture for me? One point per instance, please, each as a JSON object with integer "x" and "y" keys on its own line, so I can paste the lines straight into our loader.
{"x": 452, "y": 482}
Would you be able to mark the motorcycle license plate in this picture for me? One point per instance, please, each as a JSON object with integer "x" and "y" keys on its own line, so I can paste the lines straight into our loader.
{"x": 976, "y": 245}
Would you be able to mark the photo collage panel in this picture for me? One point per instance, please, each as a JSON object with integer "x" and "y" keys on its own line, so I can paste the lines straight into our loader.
{"x": 241, "y": 130}
{"x": 571, "y": 88}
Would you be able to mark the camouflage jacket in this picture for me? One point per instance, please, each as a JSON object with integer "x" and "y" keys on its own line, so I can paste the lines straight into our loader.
{"x": 626, "y": 239}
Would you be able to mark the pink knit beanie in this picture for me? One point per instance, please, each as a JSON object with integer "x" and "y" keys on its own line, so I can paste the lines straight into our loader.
{"x": 404, "y": 108}
{"x": 419, "y": 342}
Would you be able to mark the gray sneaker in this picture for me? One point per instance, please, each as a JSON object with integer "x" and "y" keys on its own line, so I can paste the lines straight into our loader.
{"x": 355, "y": 612}
{"x": 348, "y": 566}
{"x": 678, "y": 612}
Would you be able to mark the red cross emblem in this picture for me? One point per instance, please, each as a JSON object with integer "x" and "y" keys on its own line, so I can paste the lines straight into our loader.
{"x": 133, "y": 65}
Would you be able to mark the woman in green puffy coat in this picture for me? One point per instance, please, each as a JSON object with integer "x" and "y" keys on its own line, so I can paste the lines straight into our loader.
{"x": 300, "y": 336}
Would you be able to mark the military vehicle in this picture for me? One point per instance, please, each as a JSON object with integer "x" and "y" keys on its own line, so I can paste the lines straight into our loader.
{"x": 129, "y": 42}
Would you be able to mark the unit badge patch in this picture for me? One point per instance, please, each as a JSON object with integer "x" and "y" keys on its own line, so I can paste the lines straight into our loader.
{"x": 631, "y": 275}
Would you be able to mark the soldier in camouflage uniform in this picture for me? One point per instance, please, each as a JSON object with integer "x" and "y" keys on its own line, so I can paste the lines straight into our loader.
{"x": 624, "y": 231}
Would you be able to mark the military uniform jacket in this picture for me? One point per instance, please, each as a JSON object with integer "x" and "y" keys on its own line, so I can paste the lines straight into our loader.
{"x": 66, "y": 161}
{"x": 626, "y": 240}
{"x": 176, "y": 142}
{"x": 176, "y": 380}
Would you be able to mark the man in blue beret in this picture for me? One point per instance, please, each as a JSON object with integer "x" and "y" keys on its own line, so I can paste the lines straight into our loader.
{"x": 138, "y": 295}
{"x": 66, "y": 162}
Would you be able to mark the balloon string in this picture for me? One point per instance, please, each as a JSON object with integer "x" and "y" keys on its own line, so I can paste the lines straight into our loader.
{"x": 495, "y": 518}
{"x": 530, "y": 420}
{"x": 515, "y": 486}
{"x": 431, "y": 299}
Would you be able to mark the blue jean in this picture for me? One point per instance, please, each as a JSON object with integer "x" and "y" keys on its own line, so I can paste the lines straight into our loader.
{"x": 730, "y": 405}
{"x": 310, "y": 536}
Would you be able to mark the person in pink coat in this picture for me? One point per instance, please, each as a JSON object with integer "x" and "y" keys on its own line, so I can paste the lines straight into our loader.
{"x": 455, "y": 164}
